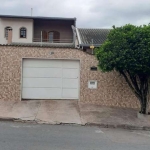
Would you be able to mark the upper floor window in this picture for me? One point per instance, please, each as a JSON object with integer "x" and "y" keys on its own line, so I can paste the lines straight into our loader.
{"x": 23, "y": 32}
{"x": 53, "y": 36}
{"x": 6, "y": 31}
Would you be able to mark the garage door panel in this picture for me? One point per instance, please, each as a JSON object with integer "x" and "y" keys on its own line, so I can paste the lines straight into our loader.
{"x": 41, "y": 63}
{"x": 50, "y": 79}
{"x": 42, "y": 82}
{"x": 42, "y": 72}
{"x": 41, "y": 93}
{"x": 70, "y": 93}
{"x": 70, "y": 73}
{"x": 70, "y": 83}
{"x": 70, "y": 64}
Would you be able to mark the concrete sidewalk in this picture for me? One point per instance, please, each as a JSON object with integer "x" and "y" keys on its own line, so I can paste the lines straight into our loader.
{"x": 71, "y": 112}
{"x": 41, "y": 111}
{"x": 112, "y": 117}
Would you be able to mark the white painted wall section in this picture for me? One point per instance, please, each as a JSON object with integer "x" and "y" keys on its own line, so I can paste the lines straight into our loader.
{"x": 16, "y": 24}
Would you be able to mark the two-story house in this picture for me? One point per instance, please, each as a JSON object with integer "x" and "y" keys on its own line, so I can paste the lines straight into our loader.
{"x": 50, "y": 58}
{"x": 36, "y": 30}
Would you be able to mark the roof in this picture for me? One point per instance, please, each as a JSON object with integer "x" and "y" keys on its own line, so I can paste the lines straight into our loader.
{"x": 38, "y": 44}
{"x": 86, "y": 36}
{"x": 37, "y": 17}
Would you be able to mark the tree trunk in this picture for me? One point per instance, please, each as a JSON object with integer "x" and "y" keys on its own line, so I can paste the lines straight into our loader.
{"x": 140, "y": 86}
{"x": 144, "y": 107}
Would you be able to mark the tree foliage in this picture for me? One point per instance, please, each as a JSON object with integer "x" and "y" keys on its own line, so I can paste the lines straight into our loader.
{"x": 127, "y": 50}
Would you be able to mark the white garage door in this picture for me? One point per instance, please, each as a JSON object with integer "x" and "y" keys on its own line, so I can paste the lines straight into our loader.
{"x": 50, "y": 79}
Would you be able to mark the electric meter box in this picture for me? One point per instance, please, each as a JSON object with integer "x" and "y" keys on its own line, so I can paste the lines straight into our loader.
{"x": 92, "y": 84}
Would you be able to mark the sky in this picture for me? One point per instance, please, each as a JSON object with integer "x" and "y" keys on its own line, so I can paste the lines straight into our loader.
{"x": 89, "y": 13}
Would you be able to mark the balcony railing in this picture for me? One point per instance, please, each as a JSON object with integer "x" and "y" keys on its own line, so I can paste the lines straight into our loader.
{"x": 45, "y": 38}
{"x": 39, "y": 40}
{"x": 52, "y": 41}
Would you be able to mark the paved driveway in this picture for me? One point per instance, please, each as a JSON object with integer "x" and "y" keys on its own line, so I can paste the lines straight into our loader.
{"x": 50, "y": 111}
{"x": 70, "y": 112}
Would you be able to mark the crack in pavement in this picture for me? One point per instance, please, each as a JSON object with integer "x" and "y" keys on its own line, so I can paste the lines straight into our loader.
{"x": 37, "y": 111}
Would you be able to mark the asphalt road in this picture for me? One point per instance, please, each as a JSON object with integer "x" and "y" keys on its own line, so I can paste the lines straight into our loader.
{"x": 26, "y": 136}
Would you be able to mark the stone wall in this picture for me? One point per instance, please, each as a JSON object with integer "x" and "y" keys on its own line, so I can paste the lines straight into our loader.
{"x": 112, "y": 89}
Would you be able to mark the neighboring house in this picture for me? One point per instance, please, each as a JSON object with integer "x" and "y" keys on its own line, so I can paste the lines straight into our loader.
{"x": 89, "y": 37}
{"x": 50, "y": 58}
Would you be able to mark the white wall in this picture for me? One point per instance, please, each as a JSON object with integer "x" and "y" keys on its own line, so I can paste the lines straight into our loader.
{"x": 16, "y": 24}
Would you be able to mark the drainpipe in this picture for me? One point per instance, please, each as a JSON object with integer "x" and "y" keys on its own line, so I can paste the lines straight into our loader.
{"x": 78, "y": 35}
{"x": 74, "y": 35}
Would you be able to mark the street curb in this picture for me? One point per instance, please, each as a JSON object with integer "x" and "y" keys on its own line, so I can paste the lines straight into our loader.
{"x": 16, "y": 120}
{"x": 37, "y": 121}
{"x": 120, "y": 126}
{"x": 7, "y": 119}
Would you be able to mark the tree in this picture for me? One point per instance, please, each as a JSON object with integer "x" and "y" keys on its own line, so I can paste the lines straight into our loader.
{"x": 127, "y": 51}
